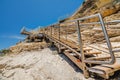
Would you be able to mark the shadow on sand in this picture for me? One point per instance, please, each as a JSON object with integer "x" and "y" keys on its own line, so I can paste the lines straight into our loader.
{"x": 116, "y": 76}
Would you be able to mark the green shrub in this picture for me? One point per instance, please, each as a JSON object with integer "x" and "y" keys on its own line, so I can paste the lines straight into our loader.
{"x": 4, "y": 51}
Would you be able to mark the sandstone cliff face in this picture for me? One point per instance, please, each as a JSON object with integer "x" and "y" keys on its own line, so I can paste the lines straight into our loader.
{"x": 110, "y": 10}
{"x": 105, "y": 7}
{"x": 22, "y": 47}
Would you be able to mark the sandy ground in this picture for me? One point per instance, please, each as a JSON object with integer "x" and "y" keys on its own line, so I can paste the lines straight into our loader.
{"x": 38, "y": 65}
{"x": 45, "y": 64}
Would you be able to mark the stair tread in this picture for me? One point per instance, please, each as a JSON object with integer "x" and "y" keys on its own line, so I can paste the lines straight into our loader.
{"x": 89, "y": 53}
{"x": 87, "y": 49}
{"x": 63, "y": 48}
{"x": 68, "y": 50}
{"x": 105, "y": 68}
{"x": 98, "y": 58}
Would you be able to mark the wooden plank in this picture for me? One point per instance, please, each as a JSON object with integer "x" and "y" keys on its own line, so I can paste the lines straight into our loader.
{"x": 90, "y": 53}
{"x": 63, "y": 48}
{"x": 98, "y": 58}
{"x": 105, "y": 70}
{"x": 73, "y": 54}
{"x": 87, "y": 49}
{"x": 68, "y": 51}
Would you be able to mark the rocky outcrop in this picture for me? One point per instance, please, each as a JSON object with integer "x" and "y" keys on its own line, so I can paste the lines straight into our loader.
{"x": 110, "y": 10}
{"x": 105, "y": 7}
{"x": 21, "y": 47}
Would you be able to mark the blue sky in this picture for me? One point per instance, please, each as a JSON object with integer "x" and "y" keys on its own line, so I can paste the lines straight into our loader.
{"x": 14, "y": 14}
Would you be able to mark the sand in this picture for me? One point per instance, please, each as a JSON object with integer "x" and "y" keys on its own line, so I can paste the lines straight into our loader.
{"x": 38, "y": 65}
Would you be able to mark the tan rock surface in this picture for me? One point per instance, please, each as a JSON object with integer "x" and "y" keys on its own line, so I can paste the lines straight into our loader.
{"x": 28, "y": 47}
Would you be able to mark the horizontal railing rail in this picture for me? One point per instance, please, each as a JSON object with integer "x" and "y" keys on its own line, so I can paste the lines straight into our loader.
{"x": 78, "y": 23}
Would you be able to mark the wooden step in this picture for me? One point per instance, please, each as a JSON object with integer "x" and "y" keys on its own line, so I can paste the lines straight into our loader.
{"x": 105, "y": 70}
{"x": 73, "y": 54}
{"x": 63, "y": 48}
{"x": 86, "y": 49}
{"x": 98, "y": 58}
{"x": 90, "y": 53}
{"x": 69, "y": 51}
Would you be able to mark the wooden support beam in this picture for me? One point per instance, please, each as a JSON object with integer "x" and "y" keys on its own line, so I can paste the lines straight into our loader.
{"x": 74, "y": 60}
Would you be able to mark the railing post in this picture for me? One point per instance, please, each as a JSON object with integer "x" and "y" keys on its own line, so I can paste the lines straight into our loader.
{"x": 66, "y": 32}
{"x": 59, "y": 31}
{"x": 44, "y": 31}
{"x": 107, "y": 39}
{"x": 51, "y": 30}
{"x": 82, "y": 57}
{"x": 47, "y": 31}
{"x": 59, "y": 46}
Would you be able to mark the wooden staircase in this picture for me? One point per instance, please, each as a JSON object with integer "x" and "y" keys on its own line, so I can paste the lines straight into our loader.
{"x": 85, "y": 57}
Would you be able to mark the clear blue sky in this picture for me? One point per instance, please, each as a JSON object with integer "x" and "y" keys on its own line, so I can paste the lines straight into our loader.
{"x": 14, "y": 14}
